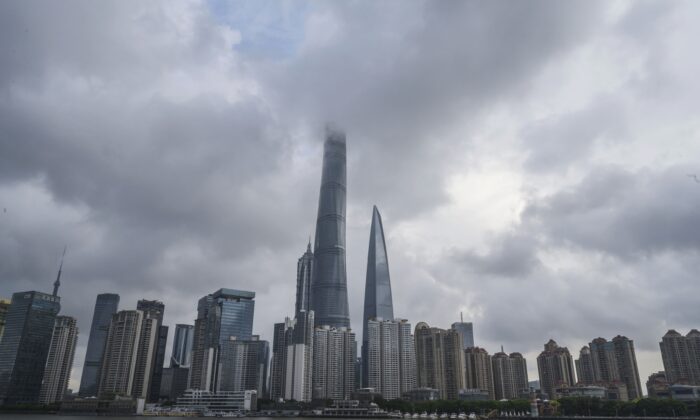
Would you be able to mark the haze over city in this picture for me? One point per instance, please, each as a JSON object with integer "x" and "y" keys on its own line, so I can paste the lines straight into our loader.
{"x": 535, "y": 163}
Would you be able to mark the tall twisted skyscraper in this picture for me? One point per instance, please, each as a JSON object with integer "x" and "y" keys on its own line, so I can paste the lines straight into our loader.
{"x": 329, "y": 294}
{"x": 378, "y": 302}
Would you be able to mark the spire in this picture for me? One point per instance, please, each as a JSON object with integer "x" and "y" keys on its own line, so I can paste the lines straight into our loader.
{"x": 308, "y": 247}
{"x": 57, "y": 283}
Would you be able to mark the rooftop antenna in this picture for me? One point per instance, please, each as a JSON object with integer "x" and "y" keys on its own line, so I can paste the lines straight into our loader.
{"x": 57, "y": 283}
{"x": 501, "y": 348}
{"x": 461, "y": 317}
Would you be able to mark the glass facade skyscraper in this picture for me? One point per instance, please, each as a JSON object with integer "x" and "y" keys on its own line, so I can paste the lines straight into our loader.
{"x": 105, "y": 306}
{"x": 182, "y": 346}
{"x": 329, "y": 295}
{"x": 378, "y": 300}
{"x": 224, "y": 315}
{"x": 304, "y": 274}
{"x": 25, "y": 346}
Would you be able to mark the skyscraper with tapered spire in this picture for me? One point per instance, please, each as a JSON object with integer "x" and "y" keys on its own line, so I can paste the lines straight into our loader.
{"x": 304, "y": 271}
{"x": 378, "y": 301}
{"x": 329, "y": 295}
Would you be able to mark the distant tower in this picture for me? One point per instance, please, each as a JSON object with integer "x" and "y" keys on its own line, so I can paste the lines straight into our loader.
{"x": 57, "y": 283}
{"x": 106, "y": 305}
{"x": 329, "y": 295}
{"x": 60, "y": 360}
{"x": 466, "y": 332}
{"x": 378, "y": 300}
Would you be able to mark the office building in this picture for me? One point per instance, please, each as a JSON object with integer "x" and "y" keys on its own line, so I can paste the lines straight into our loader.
{"x": 478, "y": 370}
{"x": 439, "y": 360}
{"x": 4, "y": 307}
{"x": 278, "y": 366}
{"x": 681, "y": 357}
{"x": 378, "y": 300}
{"x": 509, "y": 375}
{"x": 59, "y": 362}
{"x": 106, "y": 305}
{"x": 173, "y": 382}
{"x": 334, "y": 354}
{"x": 221, "y": 316}
{"x": 305, "y": 267}
{"x": 242, "y": 365}
{"x": 329, "y": 296}
{"x": 118, "y": 370}
{"x": 466, "y": 332}
{"x": 24, "y": 348}
{"x": 555, "y": 367}
{"x": 182, "y": 346}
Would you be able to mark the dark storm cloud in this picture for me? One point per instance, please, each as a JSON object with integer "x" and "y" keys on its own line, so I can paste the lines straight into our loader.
{"x": 400, "y": 78}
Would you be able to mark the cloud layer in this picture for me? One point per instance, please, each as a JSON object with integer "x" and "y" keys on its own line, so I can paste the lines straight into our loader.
{"x": 530, "y": 162}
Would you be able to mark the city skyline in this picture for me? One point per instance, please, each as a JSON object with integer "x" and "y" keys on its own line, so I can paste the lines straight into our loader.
{"x": 541, "y": 171}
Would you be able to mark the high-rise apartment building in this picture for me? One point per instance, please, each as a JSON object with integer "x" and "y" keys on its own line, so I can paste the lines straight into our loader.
{"x": 382, "y": 357}
{"x": 118, "y": 369}
{"x": 329, "y": 296}
{"x": 609, "y": 363}
{"x": 439, "y": 360}
{"x": 378, "y": 300}
{"x": 24, "y": 348}
{"x": 181, "y": 355}
{"x": 298, "y": 375}
{"x": 334, "y": 356}
{"x": 627, "y": 366}
{"x": 222, "y": 316}
{"x": 584, "y": 367}
{"x": 479, "y": 371}
{"x": 391, "y": 357}
{"x": 407, "y": 357}
{"x": 681, "y": 357}
{"x": 555, "y": 367}
{"x": 155, "y": 358}
{"x": 4, "y": 307}
{"x": 59, "y": 362}
{"x": 106, "y": 305}
{"x": 509, "y": 375}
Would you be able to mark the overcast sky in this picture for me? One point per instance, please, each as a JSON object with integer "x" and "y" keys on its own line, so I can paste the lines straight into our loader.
{"x": 530, "y": 159}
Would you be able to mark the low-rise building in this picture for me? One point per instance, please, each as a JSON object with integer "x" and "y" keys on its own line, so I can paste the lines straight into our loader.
{"x": 422, "y": 394}
{"x": 198, "y": 400}
{"x": 474, "y": 394}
